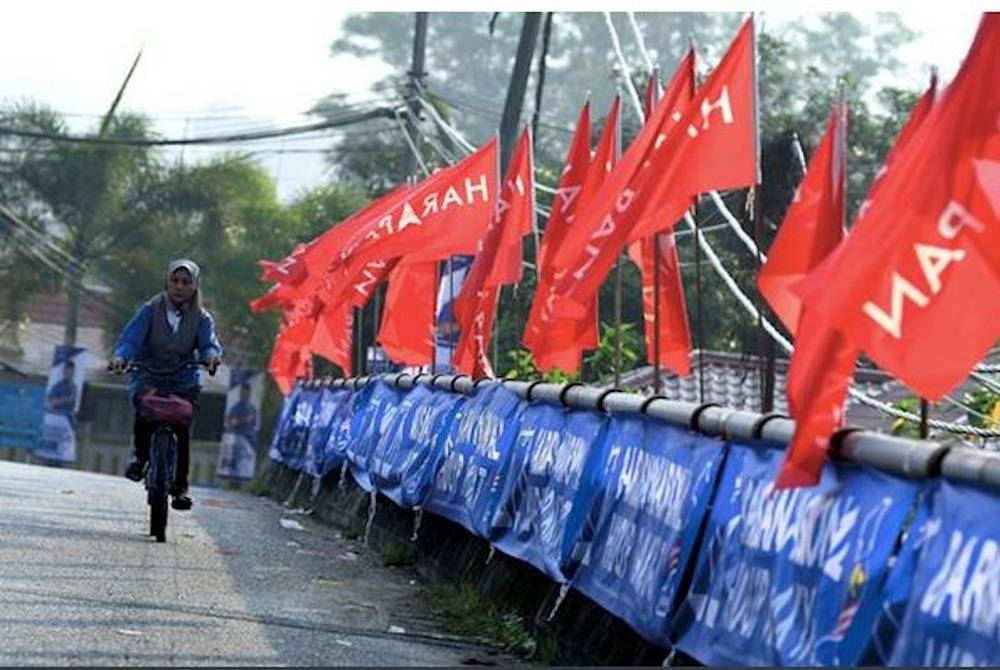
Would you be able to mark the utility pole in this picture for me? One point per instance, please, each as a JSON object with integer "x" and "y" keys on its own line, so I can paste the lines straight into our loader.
{"x": 517, "y": 86}
{"x": 414, "y": 84}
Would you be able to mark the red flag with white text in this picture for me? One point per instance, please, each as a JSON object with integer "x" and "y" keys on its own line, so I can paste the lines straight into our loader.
{"x": 565, "y": 338}
{"x": 498, "y": 262}
{"x": 711, "y": 146}
{"x": 822, "y": 364}
{"x": 927, "y": 247}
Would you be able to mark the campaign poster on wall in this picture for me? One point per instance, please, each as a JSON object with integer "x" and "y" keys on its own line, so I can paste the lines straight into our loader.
{"x": 241, "y": 427}
{"x": 57, "y": 438}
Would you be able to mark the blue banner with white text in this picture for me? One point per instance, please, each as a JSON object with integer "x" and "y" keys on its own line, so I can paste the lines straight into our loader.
{"x": 283, "y": 428}
{"x": 641, "y": 528}
{"x": 331, "y": 449}
{"x": 408, "y": 456}
{"x": 952, "y": 617}
{"x": 792, "y": 577}
{"x": 545, "y": 484}
{"x": 476, "y": 454}
{"x": 297, "y": 455}
{"x": 375, "y": 408}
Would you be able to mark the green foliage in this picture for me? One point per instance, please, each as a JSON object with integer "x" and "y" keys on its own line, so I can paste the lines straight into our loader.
{"x": 902, "y": 427}
{"x": 523, "y": 368}
{"x": 984, "y": 404}
{"x": 617, "y": 342}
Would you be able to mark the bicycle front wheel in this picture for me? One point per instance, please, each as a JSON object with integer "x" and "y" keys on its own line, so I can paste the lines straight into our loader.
{"x": 158, "y": 483}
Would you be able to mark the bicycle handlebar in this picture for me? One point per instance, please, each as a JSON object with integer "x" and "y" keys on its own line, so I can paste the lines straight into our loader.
{"x": 163, "y": 372}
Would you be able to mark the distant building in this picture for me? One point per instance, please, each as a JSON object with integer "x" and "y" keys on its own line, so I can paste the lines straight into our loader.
{"x": 104, "y": 423}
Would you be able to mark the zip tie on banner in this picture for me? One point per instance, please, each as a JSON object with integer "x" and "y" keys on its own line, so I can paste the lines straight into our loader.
{"x": 372, "y": 501}
{"x": 669, "y": 660}
{"x": 563, "y": 591}
{"x": 295, "y": 489}
{"x": 314, "y": 492}
{"x": 489, "y": 557}
{"x": 418, "y": 515}
{"x": 342, "y": 484}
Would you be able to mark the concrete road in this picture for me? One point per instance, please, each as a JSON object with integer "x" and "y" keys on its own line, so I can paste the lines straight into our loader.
{"x": 237, "y": 583}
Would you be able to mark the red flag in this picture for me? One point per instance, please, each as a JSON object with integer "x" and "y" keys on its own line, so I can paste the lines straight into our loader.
{"x": 327, "y": 247}
{"x": 407, "y": 330}
{"x": 674, "y": 332}
{"x": 823, "y": 362}
{"x": 563, "y": 207}
{"x": 712, "y": 145}
{"x": 333, "y": 336}
{"x": 565, "y": 338}
{"x": 813, "y": 225}
{"x": 499, "y": 253}
{"x": 818, "y": 380}
{"x": 822, "y": 365}
{"x": 926, "y": 250}
{"x": 445, "y": 214}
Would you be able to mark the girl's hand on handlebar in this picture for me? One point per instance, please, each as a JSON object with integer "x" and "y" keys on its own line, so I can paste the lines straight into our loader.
{"x": 212, "y": 363}
{"x": 117, "y": 365}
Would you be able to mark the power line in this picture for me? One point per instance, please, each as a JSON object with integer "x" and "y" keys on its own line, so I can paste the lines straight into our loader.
{"x": 348, "y": 119}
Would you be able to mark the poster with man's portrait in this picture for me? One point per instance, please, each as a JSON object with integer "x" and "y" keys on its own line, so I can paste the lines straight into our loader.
{"x": 57, "y": 438}
{"x": 241, "y": 427}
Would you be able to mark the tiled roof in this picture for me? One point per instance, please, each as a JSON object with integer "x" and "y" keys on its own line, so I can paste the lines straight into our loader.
{"x": 51, "y": 308}
{"x": 733, "y": 380}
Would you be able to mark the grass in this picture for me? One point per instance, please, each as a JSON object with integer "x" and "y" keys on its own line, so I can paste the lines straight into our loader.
{"x": 260, "y": 485}
{"x": 467, "y": 612}
{"x": 396, "y": 554}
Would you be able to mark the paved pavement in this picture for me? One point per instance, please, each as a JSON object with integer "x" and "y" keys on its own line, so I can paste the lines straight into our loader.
{"x": 236, "y": 583}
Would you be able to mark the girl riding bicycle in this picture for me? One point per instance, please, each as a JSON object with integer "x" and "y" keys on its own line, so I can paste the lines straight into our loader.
{"x": 169, "y": 329}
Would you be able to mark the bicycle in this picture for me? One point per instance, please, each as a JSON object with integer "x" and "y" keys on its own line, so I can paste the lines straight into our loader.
{"x": 168, "y": 412}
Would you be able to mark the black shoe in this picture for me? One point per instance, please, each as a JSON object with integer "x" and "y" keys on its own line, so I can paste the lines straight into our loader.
{"x": 181, "y": 502}
{"x": 135, "y": 469}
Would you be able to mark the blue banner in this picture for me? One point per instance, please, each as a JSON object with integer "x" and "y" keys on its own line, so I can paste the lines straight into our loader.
{"x": 238, "y": 447}
{"x": 321, "y": 422}
{"x": 952, "y": 617}
{"x": 294, "y": 437}
{"x": 335, "y": 430}
{"x": 21, "y": 411}
{"x": 453, "y": 271}
{"x": 792, "y": 577}
{"x": 283, "y": 426}
{"x": 546, "y": 484}
{"x": 654, "y": 482}
{"x": 375, "y": 408}
{"x": 477, "y": 448}
{"x": 407, "y": 457}
{"x": 57, "y": 438}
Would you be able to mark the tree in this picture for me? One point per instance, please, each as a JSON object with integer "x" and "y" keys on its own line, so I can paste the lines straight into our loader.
{"x": 80, "y": 198}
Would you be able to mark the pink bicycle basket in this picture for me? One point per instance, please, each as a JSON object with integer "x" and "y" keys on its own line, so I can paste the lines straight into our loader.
{"x": 173, "y": 409}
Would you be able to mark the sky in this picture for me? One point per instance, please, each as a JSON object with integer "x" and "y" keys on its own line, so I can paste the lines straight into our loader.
{"x": 210, "y": 67}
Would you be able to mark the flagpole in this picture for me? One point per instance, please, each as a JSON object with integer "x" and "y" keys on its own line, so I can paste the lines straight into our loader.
{"x": 700, "y": 332}
{"x": 924, "y": 411}
{"x": 359, "y": 314}
{"x": 657, "y": 256}
{"x": 618, "y": 264}
{"x": 765, "y": 367}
